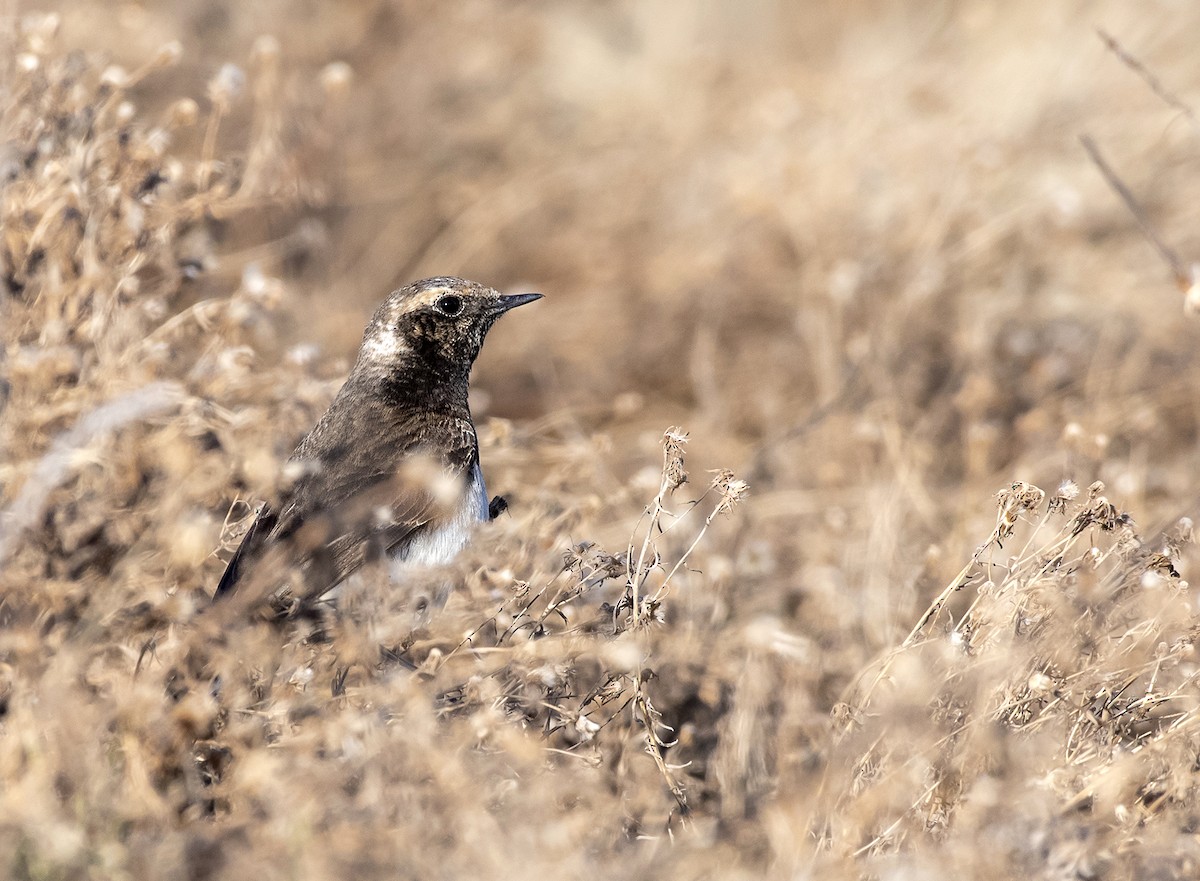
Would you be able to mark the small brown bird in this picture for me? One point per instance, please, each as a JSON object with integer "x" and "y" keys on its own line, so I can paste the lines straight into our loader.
{"x": 362, "y": 487}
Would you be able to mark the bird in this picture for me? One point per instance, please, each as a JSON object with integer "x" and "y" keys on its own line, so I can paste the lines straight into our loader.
{"x": 392, "y": 467}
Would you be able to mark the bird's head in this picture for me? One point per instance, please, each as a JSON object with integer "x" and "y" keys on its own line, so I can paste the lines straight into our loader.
{"x": 438, "y": 323}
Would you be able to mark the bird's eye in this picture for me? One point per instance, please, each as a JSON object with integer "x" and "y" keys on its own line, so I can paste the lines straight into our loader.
{"x": 449, "y": 305}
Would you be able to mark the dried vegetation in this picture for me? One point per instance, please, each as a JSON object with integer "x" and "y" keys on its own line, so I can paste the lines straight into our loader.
{"x": 878, "y": 310}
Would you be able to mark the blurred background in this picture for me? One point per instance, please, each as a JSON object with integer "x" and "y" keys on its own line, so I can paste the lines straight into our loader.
{"x": 739, "y": 211}
{"x": 856, "y": 249}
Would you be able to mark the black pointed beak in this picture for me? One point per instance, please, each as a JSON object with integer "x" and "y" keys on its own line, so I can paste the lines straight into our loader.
{"x": 512, "y": 301}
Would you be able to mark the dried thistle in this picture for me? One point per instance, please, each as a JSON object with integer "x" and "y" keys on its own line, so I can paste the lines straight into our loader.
{"x": 674, "y": 474}
{"x": 1015, "y": 500}
{"x": 731, "y": 489}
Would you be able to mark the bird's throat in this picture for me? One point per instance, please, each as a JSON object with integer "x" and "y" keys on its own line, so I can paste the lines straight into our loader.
{"x": 428, "y": 384}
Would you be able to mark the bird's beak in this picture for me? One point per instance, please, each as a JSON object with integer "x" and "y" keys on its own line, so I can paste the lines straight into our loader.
{"x": 512, "y": 301}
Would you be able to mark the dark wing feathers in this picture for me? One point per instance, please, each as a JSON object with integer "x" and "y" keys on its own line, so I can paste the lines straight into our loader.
{"x": 252, "y": 543}
{"x": 329, "y": 518}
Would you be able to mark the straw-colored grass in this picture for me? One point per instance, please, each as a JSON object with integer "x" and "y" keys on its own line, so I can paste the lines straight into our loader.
{"x": 934, "y": 622}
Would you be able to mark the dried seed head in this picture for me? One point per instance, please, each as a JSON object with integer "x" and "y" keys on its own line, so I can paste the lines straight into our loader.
{"x": 674, "y": 474}
{"x": 116, "y": 76}
{"x": 336, "y": 77}
{"x": 182, "y": 113}
{"x": 226, "y": 86}
{"x": 259, "y": 288}
{"x": 1017, "y": 499}
{"x": 1099, "y": 512}
{"x": 586, "y": 728}
{"x": 731, "y": 489}
{"x": 1067, "y": 491}
{"x": 844, "y": 716}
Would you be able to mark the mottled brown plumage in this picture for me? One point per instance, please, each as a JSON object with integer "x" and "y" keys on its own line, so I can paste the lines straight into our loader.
{"x": 361, "y": 488}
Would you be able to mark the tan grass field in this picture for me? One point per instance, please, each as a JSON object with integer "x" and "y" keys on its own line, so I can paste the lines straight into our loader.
{"x": 855, "y": 251}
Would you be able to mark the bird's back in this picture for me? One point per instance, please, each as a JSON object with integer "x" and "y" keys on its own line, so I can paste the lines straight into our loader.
{"x": 374, "y": 478}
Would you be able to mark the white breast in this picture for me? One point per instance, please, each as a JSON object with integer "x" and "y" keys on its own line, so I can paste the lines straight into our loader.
{"x": 436, "y": 547}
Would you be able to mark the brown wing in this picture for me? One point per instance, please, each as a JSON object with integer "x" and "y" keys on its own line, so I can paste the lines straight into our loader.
{"x": 329, "y": 543}
{"x": 252, "y": 543}
{"x": 330, "y": 521}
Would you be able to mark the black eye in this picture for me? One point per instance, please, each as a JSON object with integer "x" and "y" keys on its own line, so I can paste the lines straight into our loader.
{"x": 449, "y": 305}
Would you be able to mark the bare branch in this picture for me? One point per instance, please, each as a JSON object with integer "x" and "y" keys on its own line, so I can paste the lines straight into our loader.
{"x": 1179, "y": 269}
{"x": 1156, "y": 86}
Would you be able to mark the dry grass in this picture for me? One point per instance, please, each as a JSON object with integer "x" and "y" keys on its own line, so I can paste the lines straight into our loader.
{"x": 857, "y": 251}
